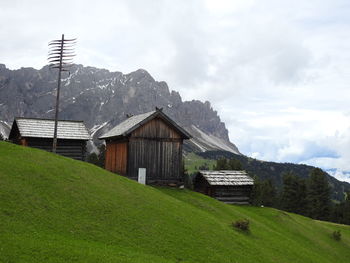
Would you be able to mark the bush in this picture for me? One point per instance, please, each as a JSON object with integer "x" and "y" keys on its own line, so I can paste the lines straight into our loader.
{"x": 242, "y": 224}
{"x": 336, "y": 235}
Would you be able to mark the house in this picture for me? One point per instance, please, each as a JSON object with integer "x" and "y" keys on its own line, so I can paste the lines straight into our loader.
{"x": 38, "y": 133}
{"x": 150, "y": 140}
{"x": 232, "y": 187}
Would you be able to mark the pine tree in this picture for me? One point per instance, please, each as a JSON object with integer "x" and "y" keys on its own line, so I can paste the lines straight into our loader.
{"x": 268, "y": 193}
{"x": 235, "y": 165}
{"x": 263, "y": 193}
{"x": 294, "y": 194}
{"x": 102, "y": 155}
{"x": 221, "y": 164}
{"x": 224, "y": 164}
{"x": 319, "y": 202}
{"x": 346, "y": 210}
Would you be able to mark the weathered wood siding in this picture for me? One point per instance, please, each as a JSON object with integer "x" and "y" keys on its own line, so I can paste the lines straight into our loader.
{"x": 202, "y": 186}
{"x": 75, "y": 149}
{"x": 156, "y": 129}
{"x": 116, "y": 157}
{"x": 157, "y": 147}
{"x": 239, "y": 194}
{"x": 162, "y": 160}
{"x": 231, "y": 194}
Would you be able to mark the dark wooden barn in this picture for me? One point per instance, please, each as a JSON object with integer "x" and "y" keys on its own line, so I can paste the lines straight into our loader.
{"x": 150, "y": 140}
{"x": 38, "y": 133}
{"x": 232, "y": 187}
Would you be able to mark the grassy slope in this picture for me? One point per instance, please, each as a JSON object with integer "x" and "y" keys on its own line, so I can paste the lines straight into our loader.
{"x": 194, "y": 161}
{"x": 54, "y": 209}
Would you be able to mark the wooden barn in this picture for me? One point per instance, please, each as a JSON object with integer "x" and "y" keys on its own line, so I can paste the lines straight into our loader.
{"x": 150, "y": 140}
{"x": 232, "y": 187}
{"x": 38, "y": 133}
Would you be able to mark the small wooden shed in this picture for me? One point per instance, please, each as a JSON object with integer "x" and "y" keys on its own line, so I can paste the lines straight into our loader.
{"x": 232, "y": 187}
{"x": 38, "y": 133}
{"x": 150, "y": 140}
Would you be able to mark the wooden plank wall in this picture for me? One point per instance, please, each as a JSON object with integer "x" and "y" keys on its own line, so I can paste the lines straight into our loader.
{"x": 75, "y": 149}
{"x": 157, "y": 147}
{"x": 233, "y": 194}
{"x": 156, "y": 129}
{"x": 116, "y": 157}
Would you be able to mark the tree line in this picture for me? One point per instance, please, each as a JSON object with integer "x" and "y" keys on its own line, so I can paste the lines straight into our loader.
{"x": 309, "y": 197}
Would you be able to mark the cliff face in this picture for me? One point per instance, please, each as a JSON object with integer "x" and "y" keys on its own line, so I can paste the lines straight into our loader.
{"x": 102, "y": 99}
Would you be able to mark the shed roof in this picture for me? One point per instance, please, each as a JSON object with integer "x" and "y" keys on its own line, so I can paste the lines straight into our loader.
{"x": 44, "y": 128}
{"x": 132, "y": 123}
{"x": 225, "y": 177}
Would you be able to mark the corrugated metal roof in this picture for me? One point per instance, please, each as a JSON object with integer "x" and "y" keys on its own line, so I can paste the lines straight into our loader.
{"x": 132, "y": 123}
{"x": 225, "y": 177}
{"x": 44, "y": 128}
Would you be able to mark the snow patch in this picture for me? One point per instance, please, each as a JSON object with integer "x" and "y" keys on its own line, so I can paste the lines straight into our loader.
{"x": 104, "y": 86}
{"x": 97, "y": 127}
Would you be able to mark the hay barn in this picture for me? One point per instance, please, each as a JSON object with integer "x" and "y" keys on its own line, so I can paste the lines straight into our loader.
{"x": 38, "y": 133}
{"x": 232, "y": 187}
{"x": 150, "y": 140}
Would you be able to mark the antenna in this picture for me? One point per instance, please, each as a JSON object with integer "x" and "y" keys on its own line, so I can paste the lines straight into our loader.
{"x": 61, "y": 53}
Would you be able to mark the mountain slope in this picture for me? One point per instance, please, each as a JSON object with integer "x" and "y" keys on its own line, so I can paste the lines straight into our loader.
{"x": 274, "y": 171}
{"x": 54, "y": 209}
{"x": 4, "y": 129}
{"x": 102, "y": 99}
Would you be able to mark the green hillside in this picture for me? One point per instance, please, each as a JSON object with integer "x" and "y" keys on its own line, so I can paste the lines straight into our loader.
{"x": 53, "y": 209}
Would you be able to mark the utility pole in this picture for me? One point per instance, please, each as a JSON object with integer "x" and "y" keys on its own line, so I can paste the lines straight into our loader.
{"x": 60, "y": 56}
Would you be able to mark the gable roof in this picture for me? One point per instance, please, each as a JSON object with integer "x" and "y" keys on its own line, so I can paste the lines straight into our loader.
{"x": 226, "y": 177}
{"x": 129, "y": 125}
{"x": 44, "y": 128}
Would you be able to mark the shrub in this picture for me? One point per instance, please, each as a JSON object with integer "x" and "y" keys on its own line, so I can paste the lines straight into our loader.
{"x": 242, "y": 224}
{"x": 336, "y": 235}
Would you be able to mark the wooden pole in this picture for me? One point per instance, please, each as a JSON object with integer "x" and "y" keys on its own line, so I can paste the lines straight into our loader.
{"x": 54, "y": 145}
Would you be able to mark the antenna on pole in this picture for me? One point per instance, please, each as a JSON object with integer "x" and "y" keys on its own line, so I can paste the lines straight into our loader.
{"x": 61, "y": 53}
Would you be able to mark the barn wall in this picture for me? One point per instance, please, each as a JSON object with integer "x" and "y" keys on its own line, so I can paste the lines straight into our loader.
{"x": 202, "y": 186}
{"x": 233, "y": 194}
{"x": 116, "y": 157}
{"x": 157, "y": 147}
{"x": 75, "y": 149}
{"x": 156, "y": 128}
{"x": 162, "y": 159}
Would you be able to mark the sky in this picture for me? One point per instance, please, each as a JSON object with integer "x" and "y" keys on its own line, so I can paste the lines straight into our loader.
{"x": 277, "y": 72}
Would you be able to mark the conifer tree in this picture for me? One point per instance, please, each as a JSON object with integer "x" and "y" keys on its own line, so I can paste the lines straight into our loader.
{"x": 235, "y": 165}
{"x": 346, "y": 210}
{"x": 294, "y": 194}
{"x": 263, "y": 193}
{"x": 319, "y": 202}
{"x": 222, "y": 164}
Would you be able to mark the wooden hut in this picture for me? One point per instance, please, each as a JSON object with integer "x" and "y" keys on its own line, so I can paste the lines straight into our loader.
{"x": 232, "y": 187}
{"x": 38, "y": 133}
{"x": 150, "y": 140}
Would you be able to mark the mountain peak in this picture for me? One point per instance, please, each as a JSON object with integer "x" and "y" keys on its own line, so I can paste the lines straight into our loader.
{"x": 99, "y": 96}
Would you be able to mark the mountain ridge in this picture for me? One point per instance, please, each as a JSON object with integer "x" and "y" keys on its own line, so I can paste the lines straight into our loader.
{"x": 99, "y": 96}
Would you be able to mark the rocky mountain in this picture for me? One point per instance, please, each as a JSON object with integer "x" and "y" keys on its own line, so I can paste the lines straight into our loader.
{"x": 102, "y": 99}
{"x": 4, "y": 130}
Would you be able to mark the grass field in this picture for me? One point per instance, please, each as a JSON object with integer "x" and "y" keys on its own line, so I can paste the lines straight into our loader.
{"x": 193, "y": 162}
{"x": 53, "y": 209}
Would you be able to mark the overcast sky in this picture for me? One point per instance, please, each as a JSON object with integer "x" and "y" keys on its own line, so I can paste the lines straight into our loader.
{"x": 277, "y": 72}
